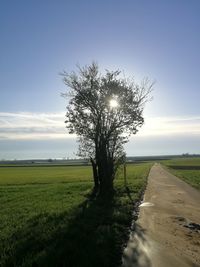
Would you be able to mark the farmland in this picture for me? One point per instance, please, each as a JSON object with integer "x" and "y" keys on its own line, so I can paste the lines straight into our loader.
{"x": 46, "y": 217}
{"x": 187, "y": 169}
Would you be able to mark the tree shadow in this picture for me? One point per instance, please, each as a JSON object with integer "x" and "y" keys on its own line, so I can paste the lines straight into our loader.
{"x": 136, "y": 252}
{"x": 88, "y": 235}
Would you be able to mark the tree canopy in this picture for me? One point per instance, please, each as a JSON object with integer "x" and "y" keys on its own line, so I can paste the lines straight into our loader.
{"x": 103, "y": 111}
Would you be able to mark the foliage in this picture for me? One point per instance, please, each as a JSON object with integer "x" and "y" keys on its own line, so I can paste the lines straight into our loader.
{"x": 104, "y": 110}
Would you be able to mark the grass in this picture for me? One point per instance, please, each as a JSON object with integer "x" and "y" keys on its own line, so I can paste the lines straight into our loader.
{"x": 46, "y": 218}
{"x": 187, "y": 169}
{"x": 34, "y": 175}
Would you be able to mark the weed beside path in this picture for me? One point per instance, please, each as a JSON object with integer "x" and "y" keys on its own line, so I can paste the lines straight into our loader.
{"x": 55, "y": 224}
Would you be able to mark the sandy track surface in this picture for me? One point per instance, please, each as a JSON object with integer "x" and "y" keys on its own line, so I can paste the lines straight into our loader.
{"x": 163, "y": 236}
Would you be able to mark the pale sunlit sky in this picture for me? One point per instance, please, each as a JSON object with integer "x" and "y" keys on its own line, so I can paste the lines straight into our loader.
{"x": 39, "y": 39}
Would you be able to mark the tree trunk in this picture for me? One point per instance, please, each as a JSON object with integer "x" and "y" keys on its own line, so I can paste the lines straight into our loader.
{"x": 95, "y": 175}
{"x": 106, "y": 187}
{"x": 105, "y": 174}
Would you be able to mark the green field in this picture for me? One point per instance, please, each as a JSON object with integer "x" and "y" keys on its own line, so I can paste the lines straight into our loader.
{"x": 47, "y": 219}
{"x": 187, "y": 169}
{"x": 44, "y": 175}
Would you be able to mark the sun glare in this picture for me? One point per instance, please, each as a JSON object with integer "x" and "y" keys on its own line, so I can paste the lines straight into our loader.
{"x": 113, "y": 103}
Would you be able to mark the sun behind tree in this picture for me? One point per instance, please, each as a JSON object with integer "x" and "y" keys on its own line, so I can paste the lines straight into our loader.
{"x": 104, "y": 110}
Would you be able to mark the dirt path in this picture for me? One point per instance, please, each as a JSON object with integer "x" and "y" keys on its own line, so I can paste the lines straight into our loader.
{"x": 161, "y": 238}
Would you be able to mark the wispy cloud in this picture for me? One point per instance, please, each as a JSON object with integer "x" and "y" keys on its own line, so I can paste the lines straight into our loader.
{"x": 42, "y": 126}
{"x": 25, "y": 125}
{"x": 162, "y": 126}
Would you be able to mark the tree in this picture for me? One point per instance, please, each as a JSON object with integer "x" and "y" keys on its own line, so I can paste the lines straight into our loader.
{"x": 103, "y": 111}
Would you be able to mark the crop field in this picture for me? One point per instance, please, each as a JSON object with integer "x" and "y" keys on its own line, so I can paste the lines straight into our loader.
{"x": 187, "y": 169}
{"x": 47, "y": 219}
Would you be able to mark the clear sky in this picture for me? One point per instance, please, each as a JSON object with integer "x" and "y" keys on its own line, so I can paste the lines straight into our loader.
{"x": 155, "y": 38}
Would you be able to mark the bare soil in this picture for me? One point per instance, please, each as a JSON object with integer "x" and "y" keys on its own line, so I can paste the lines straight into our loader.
{"x": 167, "y": 230}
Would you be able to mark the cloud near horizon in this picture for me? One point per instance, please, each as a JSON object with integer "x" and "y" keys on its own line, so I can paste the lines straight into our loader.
{"x": 170, "y": 126}
{"x": 43, "y": 126}
{"x": 32, "y": 126}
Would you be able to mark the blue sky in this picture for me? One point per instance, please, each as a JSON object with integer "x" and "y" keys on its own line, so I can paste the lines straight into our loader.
{"x": 39, "y": 39}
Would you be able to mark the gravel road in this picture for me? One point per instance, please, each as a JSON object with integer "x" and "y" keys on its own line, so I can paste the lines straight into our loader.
{"x": 167, "y": 231}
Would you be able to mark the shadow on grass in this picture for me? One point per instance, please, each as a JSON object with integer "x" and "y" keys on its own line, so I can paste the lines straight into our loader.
{"x": 89, "y": 235}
